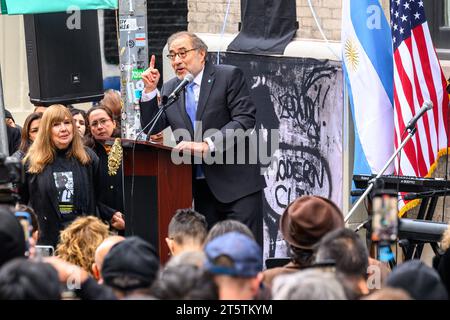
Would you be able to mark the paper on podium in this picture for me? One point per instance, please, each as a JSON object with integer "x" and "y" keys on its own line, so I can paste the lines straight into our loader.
{"x": 165, "y": 137}
{"x": 168, "y": 137}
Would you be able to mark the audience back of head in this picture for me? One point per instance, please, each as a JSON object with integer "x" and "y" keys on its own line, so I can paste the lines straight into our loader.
{"x": 100, "y": 253}
{"x": 187, "y": 231}
{"x": 80, "y": 240}
{"x": 305, "y": 221}
{"x": 12, "y": 237}
{"x": 22, "y": 279}
{"x": 130, "y": 267}
{"x": 113, "y": 101}
{"x": 185, "y": 282}
{"x": 349, "y": 253}
{"x": 235, "y": 260}
{"x": 193, "y": 258}
{"x": 229, "y": 225}
{"x": 420, "y": 281}
{"x": 310, "y": 284}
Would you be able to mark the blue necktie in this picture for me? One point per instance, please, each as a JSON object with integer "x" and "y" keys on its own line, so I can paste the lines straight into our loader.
{"x": 191, "y": 109}
{"x": 191, "y": 104}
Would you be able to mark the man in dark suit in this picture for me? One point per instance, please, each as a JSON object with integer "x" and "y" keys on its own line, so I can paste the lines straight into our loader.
{"x": 217, "y": 99}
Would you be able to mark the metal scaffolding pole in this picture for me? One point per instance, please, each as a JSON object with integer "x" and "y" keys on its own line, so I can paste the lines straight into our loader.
{"x": 3, "y": 135}
{"x": 133, "y": 60}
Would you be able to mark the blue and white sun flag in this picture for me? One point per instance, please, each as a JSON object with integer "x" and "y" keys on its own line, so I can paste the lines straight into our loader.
{"x": 368, "y": 69}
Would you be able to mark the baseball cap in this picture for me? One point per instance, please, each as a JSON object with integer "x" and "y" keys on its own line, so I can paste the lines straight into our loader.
{"x": 130, "y": 264}
{"x": 244, "y": 253}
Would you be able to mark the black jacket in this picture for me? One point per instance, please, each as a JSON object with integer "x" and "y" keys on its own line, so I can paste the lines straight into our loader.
{"x": 14, "y": 138}
{"x": 225, "y": 105}
{"x": 110, "y": 187}
{"x": 40, "y": 192}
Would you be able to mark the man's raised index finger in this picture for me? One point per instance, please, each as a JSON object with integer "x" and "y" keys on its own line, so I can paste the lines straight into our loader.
{"x": 152, "y": 61}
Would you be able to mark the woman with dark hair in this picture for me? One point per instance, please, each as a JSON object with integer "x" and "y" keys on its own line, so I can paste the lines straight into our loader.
{"x": 62, "y": 177}
{"x": 81, "y": 123}
{"x": 103, "y": 126}
{"x": 80, "y": 120}
{"x": 29, "y": 132}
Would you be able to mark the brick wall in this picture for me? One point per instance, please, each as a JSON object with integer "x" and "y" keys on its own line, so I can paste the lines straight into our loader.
{"x": 207, "y": 16}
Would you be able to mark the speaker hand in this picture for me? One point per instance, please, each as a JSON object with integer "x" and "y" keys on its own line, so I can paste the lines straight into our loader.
{"x": 150, "y": 76}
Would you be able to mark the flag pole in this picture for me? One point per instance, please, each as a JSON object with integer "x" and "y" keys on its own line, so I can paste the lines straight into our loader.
{"x": 347, "y": 159}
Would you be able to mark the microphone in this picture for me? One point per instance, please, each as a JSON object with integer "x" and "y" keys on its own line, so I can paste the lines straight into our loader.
{"x": 427, "y": 105}
{"x": 175, "y": 93}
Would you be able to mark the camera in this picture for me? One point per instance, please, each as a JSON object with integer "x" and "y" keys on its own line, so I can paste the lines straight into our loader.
{"x": 12, "y": 176}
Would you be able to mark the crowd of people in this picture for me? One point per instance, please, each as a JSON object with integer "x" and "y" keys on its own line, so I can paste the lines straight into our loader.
{"x": 75, "y": 206}
{"x": 328, "y": 262}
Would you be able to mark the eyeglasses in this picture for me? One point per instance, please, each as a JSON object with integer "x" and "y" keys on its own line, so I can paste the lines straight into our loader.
{"x": 101, "y": 122}
{"x": 182, "y": 54}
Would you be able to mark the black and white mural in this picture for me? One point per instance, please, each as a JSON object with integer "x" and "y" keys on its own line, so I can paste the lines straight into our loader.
{"x": 303, "y": 99}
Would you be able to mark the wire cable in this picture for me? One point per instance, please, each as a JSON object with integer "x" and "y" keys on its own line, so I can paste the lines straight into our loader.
{"x": 313, "y": 12}
{"x": 223, "y": 30}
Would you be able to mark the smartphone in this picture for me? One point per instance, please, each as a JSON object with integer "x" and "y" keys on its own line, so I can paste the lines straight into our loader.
{"x": 44, "y": 251}
{"x": 385, "y": 217}
{"x": 25, "y": 221}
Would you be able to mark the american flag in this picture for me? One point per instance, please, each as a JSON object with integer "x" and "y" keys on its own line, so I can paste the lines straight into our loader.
{"x": 417, "y": 77}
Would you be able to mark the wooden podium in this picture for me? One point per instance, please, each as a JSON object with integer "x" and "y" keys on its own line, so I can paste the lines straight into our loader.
{"x": 160, "y": 188}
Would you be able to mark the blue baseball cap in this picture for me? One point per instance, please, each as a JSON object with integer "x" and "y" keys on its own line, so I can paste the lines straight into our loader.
{"x": 244, "y": 252}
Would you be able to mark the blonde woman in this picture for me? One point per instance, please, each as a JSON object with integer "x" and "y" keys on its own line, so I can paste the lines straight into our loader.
{"x": 80, "y": 239}
{"x": 62, "y": 177}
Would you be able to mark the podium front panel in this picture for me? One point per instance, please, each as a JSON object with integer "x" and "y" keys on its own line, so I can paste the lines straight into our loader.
{"x": 142, "y": 212}
{"x": 160, "y": 188}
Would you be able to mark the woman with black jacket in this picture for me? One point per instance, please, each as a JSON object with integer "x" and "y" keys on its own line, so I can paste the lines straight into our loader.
{"x": 102, "y": 126}
{"x": 62, "y": 177}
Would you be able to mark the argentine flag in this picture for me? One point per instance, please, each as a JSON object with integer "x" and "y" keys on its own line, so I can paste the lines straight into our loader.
{"x": 368, "y": 69}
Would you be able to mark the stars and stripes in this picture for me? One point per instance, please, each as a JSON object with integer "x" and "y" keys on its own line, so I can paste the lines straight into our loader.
{"x": 417, "y": 77}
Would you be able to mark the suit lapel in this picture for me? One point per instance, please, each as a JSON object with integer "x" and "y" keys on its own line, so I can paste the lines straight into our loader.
{"x": 205, "y": 89}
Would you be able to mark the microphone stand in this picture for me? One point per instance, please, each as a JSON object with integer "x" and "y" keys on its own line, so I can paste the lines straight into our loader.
{"x": 152, "y": 122}
{"x": 155, "y": 119}
{"x": 411, "y": 132}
